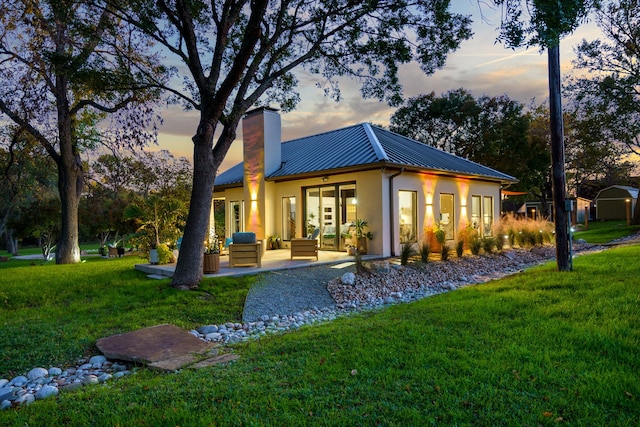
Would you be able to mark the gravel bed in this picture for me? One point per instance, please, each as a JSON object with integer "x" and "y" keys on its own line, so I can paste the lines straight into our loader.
{"x": 291, "y": 291}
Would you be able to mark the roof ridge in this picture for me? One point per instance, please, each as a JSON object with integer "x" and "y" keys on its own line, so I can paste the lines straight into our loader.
{"x": 375, "y": 142}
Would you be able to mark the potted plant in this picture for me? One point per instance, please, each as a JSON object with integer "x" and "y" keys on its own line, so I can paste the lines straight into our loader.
{"x": 211, "y": 260}
{"x": 361, "y": 235}
{"x": 157, "y": 219}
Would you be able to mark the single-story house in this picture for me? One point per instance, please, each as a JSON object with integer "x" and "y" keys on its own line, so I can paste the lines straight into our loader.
{"x": 326, "y": 182}
{"x": 616, "y": 202}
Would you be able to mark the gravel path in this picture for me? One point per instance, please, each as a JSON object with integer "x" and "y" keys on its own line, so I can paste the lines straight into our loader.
{"x": 291, "y": 291}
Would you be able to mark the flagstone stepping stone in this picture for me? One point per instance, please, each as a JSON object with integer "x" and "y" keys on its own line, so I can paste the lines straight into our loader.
{"x": 164, "y": 347}
{"x": 222, "y": 358}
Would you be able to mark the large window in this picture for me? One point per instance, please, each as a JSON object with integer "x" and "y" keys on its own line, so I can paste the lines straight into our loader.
{"x": 487, "y": 216}
{"x": 476, "y": 212}
{"x": 237, "y": 215}
{"x": 288, "y": 218}
{"x": 447, "y": 218}
{"x": 408, "y": 214}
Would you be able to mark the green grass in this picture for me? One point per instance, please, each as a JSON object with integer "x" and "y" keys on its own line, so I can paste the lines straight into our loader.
{"x": 605, "y": 231}
{"x": 53, "y": 314}
{"x": 538, "y": 348}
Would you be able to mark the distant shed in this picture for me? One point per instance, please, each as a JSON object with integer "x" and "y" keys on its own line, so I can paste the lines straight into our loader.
{"x": 611, "y": 203}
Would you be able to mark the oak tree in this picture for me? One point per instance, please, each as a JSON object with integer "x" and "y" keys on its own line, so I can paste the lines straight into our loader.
{"x": 239, "y": 53}
{"x": 65, "y": 65}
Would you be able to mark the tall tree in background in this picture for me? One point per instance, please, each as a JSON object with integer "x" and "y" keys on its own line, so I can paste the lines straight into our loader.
{"x": 547, "y": 22}
{"x": 65, "y": 65}
{"x": 448, "y": 122}
{"x": 238, "y": 52}
{"x": 611, "y": 94}
{"x": 490, "y": 130}
{"x": 24, "y": 176}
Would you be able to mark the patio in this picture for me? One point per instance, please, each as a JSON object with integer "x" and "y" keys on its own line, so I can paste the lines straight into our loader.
{"x": 272, "y": 260}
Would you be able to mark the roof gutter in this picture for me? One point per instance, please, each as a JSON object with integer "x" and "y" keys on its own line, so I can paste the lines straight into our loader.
{"x": 391, "y": 211}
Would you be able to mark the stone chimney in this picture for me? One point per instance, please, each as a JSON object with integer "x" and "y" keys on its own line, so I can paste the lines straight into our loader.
{"x": 261, "y": 134}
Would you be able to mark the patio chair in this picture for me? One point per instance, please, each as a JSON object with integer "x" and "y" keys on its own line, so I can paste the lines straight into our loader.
{"x": 245, "y": 250}
{"x": 306, "y": 247}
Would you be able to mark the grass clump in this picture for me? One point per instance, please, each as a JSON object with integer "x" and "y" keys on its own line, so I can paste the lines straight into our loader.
{"x": 524, "y": 232}
{"x": 487, "y": 244}
{"x": 459, "y": 248}
{"x": 407, "y": 251}
{"x": 425, "y": 251}
{"x": 444, "y": 253}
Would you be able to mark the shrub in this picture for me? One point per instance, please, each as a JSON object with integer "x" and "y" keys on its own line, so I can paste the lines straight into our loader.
{"x": 499, "y": 241}
{"x": 406, "y": 252}
{"x": 164, "y": 254}
{"x": 487, "y": 244}
{"x": 539, "y": 238}
{"x": 425, "y": 250}
{"x": 466, "y": 234}
{"x": 525, "y": 231}
{"x": 444, "y": 254}
{"x": 530, "y": 237}
{"x": 475, "y": 245}
{"x": 459, "y": 248}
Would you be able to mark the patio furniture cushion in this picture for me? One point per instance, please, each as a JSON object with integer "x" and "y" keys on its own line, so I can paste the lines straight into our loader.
{"x": 244, "y": 237}
{"x": 314, "y": 235}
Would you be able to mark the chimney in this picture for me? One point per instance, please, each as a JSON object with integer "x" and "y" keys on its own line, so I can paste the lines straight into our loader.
{"x": 261, "y": 136}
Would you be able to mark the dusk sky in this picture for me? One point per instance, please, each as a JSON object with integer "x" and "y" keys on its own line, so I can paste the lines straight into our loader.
{"x": 480, "y": 65}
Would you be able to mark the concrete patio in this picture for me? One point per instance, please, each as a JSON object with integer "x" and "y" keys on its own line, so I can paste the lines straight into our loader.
{"x": 272, "y": 260}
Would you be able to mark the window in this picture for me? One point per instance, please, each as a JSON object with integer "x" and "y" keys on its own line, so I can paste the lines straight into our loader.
{"x": 487, "y": 216}
{"x": 408, "y": 215}
{"x": 288, "y": 218}
{"x": 447, "y": 219}
{"x": 237, "y": 215}
{"x": 476, "y": 212}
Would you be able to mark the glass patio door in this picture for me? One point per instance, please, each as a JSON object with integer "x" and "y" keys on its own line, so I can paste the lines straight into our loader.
{"x": 330, "y": 209}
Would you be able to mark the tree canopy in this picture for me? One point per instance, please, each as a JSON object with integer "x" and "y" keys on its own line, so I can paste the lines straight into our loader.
{"x": 610, "y": 93}
{"x": 239, "y": 53}
{"x": 65, "y": 65}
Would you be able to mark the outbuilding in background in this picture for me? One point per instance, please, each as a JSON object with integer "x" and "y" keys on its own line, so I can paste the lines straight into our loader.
{"x": 616, "y": 202}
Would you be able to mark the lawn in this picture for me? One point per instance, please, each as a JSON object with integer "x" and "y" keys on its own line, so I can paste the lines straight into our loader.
{"x": 604, "y": 231}
{"x": 537, "y": 348}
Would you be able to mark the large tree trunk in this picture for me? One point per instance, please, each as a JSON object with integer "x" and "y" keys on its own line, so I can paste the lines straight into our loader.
{"x": 12, "y": 242}
{"x": 188, "y": 271}
{"x": 557, "y": 160}
{"x": 206, "y": 162}
{"x": 70, "y": 187}
{"x": 70, "y": 182}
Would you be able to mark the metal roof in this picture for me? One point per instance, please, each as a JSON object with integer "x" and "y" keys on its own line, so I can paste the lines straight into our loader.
{"x": 632, "y": 191}
{"x": 363, "y": 145}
